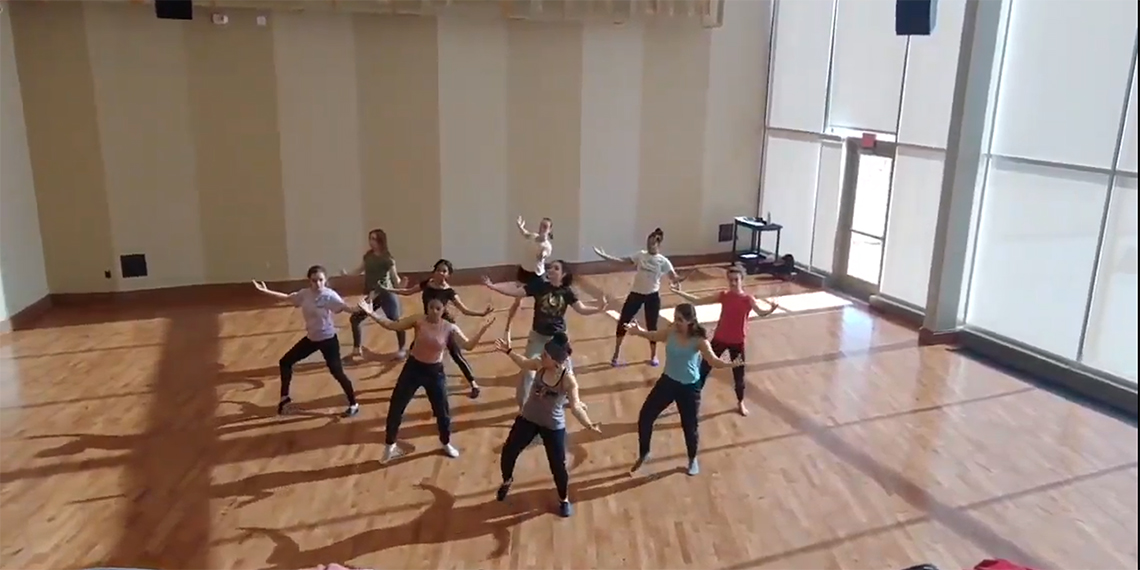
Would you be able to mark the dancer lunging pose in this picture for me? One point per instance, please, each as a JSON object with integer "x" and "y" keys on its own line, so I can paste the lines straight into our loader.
{"x": 424, "y": 369}
{"x": 533, "y": 262}
{"x": 380, "y": 275}
{"x": 318, "y": 304}
{"x": 437, "y": 287}
{"x": 543, "y": 415}
{"x": 552, "y": 295}
{"x": 685, "y": 346}
{"x": 736, "y": 305}
{"x": 646, "y": 290}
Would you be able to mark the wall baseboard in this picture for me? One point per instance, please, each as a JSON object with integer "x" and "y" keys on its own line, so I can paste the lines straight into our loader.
{"x": 26, "y": 317}
{"x": 927, "y": 337}
{"x": 229, "y": 294}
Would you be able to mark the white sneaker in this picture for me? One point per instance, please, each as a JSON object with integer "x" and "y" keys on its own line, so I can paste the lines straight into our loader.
{"x": 450, "y": 451}
{"x": 392, "y": 452}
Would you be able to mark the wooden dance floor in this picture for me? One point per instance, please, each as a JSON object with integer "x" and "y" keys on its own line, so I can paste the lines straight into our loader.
{"x": 145, "y": 436}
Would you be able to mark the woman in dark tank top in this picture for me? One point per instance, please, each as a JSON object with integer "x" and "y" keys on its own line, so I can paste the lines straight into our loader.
{"x": 436, "y": 288}
{"x": 380, "y": 275}
{"x": 543, "y": 415}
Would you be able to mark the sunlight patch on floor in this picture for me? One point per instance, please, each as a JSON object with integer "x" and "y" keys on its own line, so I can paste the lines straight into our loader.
{"x": 789, "y": 304}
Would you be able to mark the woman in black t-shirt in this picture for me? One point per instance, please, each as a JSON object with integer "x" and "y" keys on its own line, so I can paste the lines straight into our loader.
{"x": 552, "y": 296}
{"x": 437, "y": 288}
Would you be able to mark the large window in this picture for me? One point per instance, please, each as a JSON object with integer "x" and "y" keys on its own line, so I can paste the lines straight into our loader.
{"x": 838, "y": 70}
{"x": 1055, "y": 251}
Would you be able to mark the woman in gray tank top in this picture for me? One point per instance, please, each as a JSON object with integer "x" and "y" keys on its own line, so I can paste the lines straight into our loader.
{"x": 543, "y": 415}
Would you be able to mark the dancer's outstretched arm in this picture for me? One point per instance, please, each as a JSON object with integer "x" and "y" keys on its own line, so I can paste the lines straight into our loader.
{"x": 463, "y": 308}
{"x": 576, "y": 406}
{"x": 395, "y": 326}
{"x": 510, "y": 289}
{"x": 405, "y": 291}
{"x": 635, "y": 329}
{"x": 772, "y": 307}
{"x": 694, "y": 299}
{"x": 359, "y": 269}
{"x": 602, "y": 254}
{"x": 524, "y": 363}
{"x": 262, "y": 288}
{"x": 716, "y": 361}
{"x": 599, "y": 306}
{"x": 470, "y": 343}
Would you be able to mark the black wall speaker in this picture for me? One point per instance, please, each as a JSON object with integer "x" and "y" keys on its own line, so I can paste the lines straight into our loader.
{"x": 915, "y": 17}
{"x": 174, "y": 9}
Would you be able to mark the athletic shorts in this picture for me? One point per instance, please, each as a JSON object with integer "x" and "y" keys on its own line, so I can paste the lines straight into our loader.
{"x": 523, "y": 276}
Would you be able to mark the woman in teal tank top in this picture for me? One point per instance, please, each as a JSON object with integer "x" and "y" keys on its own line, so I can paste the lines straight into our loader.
{"x": 686, "y": 345}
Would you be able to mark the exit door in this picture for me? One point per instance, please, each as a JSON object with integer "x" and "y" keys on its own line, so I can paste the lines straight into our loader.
{"x": 865, "y": 198}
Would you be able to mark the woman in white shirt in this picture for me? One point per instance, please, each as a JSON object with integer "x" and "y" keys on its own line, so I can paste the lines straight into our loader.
{"x": 318, "y": 304}
{"x": 532, "y": 265}
{"x": 646, "y": 290}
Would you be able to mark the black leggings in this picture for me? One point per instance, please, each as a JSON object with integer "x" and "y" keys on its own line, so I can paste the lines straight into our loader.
{"x": 633, "y": 303}
{"x": 330, "y": 349}
{"x": 554, "y": 440}
{"x": 734, "y": 351}
{"x": 456, "y": 353}
{"x": 665, "y": 392}
{"x": 390, "y": 305}
{"x": 414, "y": 376}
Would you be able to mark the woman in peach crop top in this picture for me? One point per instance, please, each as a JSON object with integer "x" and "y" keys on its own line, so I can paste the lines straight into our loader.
{"x": 424, "y": 369}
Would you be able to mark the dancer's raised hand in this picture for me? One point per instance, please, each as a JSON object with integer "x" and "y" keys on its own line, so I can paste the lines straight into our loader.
{"x": 502, "y": 345}
{"x": 365, "y": 305}
{"x": 260, "y": 285}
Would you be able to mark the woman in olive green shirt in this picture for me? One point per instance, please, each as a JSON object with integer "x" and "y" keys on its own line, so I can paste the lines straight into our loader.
{"x": 380, "y": 275}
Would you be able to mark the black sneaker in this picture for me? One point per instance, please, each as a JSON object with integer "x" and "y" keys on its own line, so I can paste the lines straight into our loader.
{"x": 565, "y": 509}
{"x": 475, "y": 391}
{"x": 505, "y": 488}
{"x": 351, "y": 411}
{"x": 284, "y": 406}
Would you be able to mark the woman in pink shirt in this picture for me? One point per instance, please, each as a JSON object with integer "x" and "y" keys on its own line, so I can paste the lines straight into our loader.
{"x": 736, "y": 306}
{"x": 424, "y": 369}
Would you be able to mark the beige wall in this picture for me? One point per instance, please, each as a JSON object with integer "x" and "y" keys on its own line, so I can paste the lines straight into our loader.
{"x": 23, "y": 280}
{"x": 233, "y": 152}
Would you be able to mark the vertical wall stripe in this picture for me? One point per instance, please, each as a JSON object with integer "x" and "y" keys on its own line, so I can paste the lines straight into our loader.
{"x": 611, "y": 138}
{"x": 63, "y": 143}
{"x": 143, "y": 107}
{"x": 317, "y": 121}
{"x": 544, "y": 97}
{"x": 734, "y": 123}
{"x": 673, "y": 109}
{"x": 397, "y": 74}
{"x": 473, "y": 139}
{"x": 233, "y": 109}
{"x": 23, "y": 278}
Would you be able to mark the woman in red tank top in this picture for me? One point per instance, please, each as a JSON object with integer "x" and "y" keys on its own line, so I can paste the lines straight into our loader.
{"x": 736, "y": 306}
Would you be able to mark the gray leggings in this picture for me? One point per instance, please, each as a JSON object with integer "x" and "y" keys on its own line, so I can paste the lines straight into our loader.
{"x": 535, "y": 345}
{"x": 390, "y": 305}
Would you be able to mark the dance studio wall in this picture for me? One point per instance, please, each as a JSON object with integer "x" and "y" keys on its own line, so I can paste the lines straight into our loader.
{"x": 23, "y": 280}
{"x": 226, "y": 153}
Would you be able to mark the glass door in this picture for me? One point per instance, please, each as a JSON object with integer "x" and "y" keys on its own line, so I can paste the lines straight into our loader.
{"x": 865, "y": 199}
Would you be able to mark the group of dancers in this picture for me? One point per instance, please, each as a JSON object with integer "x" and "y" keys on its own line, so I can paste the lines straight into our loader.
{"x": 547, "y": 385}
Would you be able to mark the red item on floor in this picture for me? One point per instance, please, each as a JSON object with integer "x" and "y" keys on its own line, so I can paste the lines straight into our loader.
{"x": 1000, "y": 565}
